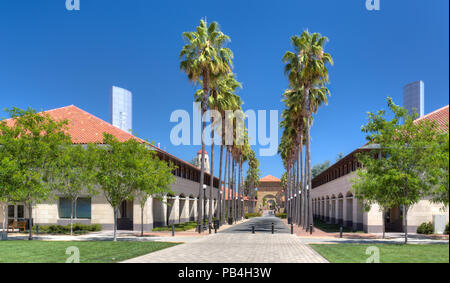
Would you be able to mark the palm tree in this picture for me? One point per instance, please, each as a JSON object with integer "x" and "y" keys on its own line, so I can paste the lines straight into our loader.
{"x": 222, "y": 97}
{"x": 252, "y": 179}
{"x": 203, "y": 58}
{"x": 307, "y": 71}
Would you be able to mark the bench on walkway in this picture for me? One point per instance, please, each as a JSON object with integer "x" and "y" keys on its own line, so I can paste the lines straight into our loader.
{"x": 17, "y": 225}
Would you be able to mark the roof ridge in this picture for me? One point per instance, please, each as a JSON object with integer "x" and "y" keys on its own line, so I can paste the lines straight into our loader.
{"x": 431, "y": 113}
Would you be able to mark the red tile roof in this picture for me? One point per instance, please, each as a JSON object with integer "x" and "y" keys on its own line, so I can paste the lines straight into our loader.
{"x": 85, "y": 128}
{"x": 440, "y": 116}
{"x": 269, "y": 178}
{"x": 227, "y": 191}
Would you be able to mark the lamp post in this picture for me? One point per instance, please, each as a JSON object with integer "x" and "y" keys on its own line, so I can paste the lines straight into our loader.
{"x": 243, "y": 208}
{"x": 204, "y": 207}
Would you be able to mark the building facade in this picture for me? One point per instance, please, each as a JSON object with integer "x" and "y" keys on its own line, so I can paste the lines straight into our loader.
{"x": 334, "y": 202}
{"x": 270, "y": 194}
{"x": 414, "y": 98}
{"x": 179, "y": 207}
{"x": 121, "y": 109}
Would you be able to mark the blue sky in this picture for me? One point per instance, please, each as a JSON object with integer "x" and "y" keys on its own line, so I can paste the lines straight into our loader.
{"x": 50, "y": 57}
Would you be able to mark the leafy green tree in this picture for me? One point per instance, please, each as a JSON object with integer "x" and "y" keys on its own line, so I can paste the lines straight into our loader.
{"x": 319, "y": 168}
{"x": 129, "y": 169}
{"x": 73, "y": 174}
{"x": 339, "y": 156}
{"x": 31, "y": 141}
{"x": 403, "y": 168}
{"x": 152, "y": 178}
{"x": 440, "y": 192}
{"x": 9, "y": 182}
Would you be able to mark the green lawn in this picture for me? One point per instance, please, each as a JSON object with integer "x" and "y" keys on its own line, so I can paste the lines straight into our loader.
{"x": 389, "y": 253}
{"x": 90, "y": 252}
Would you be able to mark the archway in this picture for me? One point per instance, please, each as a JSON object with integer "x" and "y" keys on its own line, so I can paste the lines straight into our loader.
{"x": 333, "y": 210}
{"x": 182, "y": 215}
{"x": 340, "y": 216}
{"x": 158, "y": 210}
{"x": 349, "y": 220}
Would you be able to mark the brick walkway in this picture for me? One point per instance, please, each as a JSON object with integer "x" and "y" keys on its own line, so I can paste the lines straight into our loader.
{"x": 240, "y": 247}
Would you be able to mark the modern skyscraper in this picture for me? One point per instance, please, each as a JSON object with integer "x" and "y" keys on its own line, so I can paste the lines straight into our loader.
{"x": 121, "y": 108}
{"x": 414, "y": 98}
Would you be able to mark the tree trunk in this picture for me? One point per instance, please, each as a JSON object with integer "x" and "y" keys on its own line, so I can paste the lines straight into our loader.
{"x": 72, "y": 203}
{"x": 295, "y": 193}
{"x": 234, "y": 189}
{"x": 205, "y": 76}
{"x": 220, "y": 205}
{"x": 384, "y": 223}
{"x": 305, "y": 198}
{"x": 230, "y": 185}
{"x": 225, "y": 186}
{"x": 211, "y": 174}
{"x": 202, "y": 179}
{"x": 297, "y": 188}
{"x": 302, "y": 196}
{"x": 5, "y": 218}
{"x": 115, "y": 225}
{"x": 30, "y": 221}
{"x": 239, "y": 193}
{"x": 142, "y": 220}
{"x": 405, "y": 213}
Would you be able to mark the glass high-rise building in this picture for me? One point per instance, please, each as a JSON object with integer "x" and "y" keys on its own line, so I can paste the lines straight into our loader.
{"x": 414, "y": 98}
{"x": 121, "y": 108}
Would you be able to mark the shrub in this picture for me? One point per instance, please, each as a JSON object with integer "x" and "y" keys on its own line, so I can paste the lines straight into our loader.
{"x": 252, "y": 215}
{"x": 281, "y": 215}
{"x": 446, "y": 229}
{"x": 425, "y": 228}
{"x": 78, "y": 229}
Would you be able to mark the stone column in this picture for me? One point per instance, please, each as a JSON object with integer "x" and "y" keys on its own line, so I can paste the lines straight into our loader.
{"x": 164, "y": 211}
{"x": 355, "y": 214}
{"x": 344, "y": 211}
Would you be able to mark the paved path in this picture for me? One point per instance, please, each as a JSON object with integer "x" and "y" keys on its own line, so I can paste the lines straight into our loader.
{"x": 238, "y": 245}
{"x": 262, "y": 225}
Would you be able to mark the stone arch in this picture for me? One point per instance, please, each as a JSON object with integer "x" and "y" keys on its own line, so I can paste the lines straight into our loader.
{"x": 349, "y": 209}
{"x": 340, "y": 209}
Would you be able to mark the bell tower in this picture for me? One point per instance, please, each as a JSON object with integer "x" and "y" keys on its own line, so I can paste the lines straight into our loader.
{"x": 199, "y": 160}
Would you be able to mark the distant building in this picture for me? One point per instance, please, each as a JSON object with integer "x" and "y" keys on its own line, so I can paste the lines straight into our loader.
{"x": 121, "y": 109}
{"x": 414, "y": 98}
{"x": 270, "y": 194}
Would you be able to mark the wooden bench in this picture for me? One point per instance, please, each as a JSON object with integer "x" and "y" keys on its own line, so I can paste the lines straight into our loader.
{"x": 17, "y": 225}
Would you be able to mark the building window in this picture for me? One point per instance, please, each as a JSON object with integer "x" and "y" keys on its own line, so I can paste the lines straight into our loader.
{"x": 81, "y": 209}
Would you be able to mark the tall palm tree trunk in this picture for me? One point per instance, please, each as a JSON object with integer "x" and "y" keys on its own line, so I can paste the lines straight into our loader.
{"x": 234, "y": 188}
{"x": 230, "y": 185}
{"x": 241, "y": 191}
{"x": 221, "y": 193}
{"x": 225, "y": 186}
{"x": 211, "y": 174}
{"x": 309, "y": 179}
{"x": 295, "y": 190}
{"x": 305, "y": 202}
{"x": 298, "y": 188}
{"x": 202, "y": 178}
